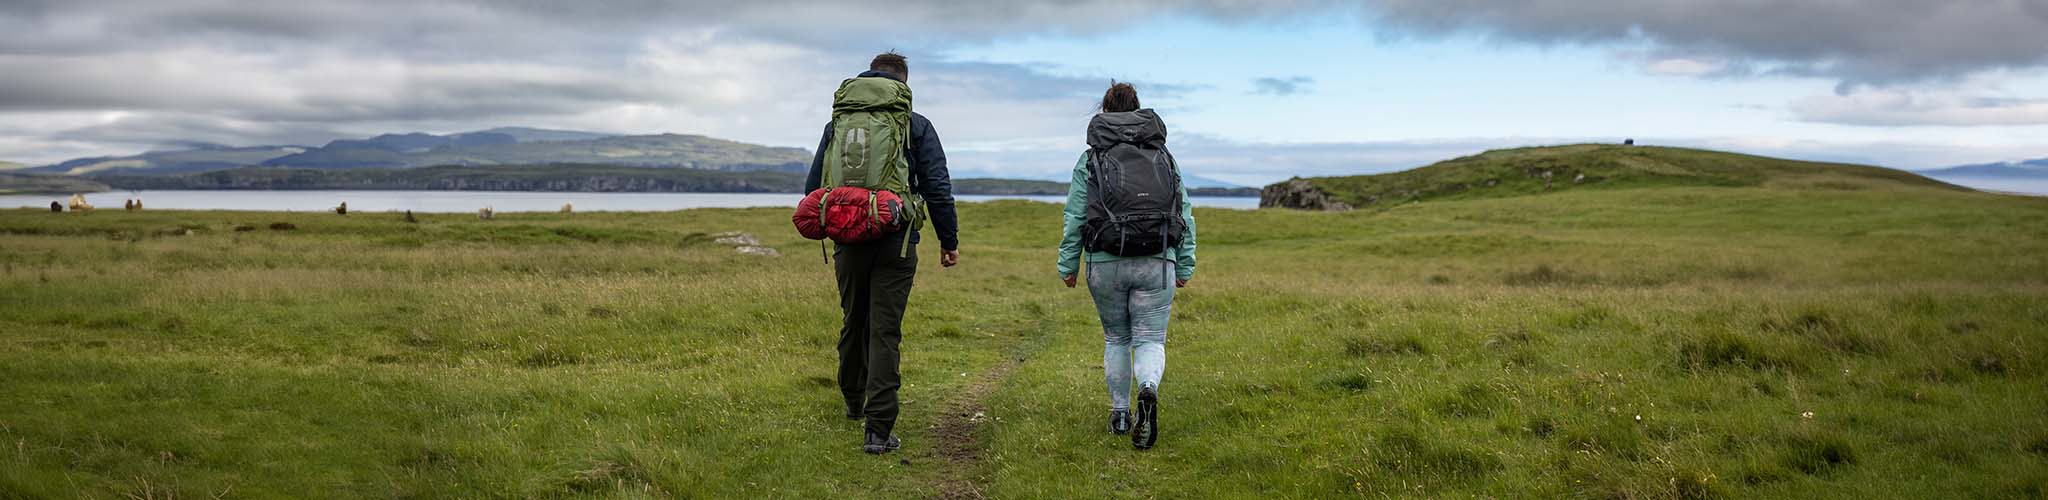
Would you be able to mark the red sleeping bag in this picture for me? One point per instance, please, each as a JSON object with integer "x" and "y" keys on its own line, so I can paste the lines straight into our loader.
{"x": 848, "y": 215}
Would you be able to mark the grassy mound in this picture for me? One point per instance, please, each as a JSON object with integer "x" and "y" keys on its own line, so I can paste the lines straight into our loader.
{"x": 1535, "y": 170}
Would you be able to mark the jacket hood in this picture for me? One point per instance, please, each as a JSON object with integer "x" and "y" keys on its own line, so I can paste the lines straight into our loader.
{"x": 1139, "y": 128}
{"x": 882, "y": 74}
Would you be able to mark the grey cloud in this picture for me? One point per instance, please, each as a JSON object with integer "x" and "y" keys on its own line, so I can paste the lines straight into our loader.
{"x": 148, "y": 130}
{"x": 1858, "y": 42}
{"x": 228, "y": 85}
{"x": 1281, "y": 86}
{"x": 1032, "y": 81}
{"x": 1901, "y": 108}
{"x": 357, "y": 60}
{"x": 762, "y": 93}
{"x": 459, "y": 28}
{"x": 1869, "y": 41}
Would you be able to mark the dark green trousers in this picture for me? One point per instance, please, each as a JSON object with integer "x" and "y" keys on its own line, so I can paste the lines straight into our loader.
{"x": 874, "y": 288}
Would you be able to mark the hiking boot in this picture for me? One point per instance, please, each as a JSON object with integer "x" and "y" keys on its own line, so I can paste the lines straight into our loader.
{"x": 1146, "y": 430}
{"x": 1119, "y": 421}
{"x": 878, "y": 444}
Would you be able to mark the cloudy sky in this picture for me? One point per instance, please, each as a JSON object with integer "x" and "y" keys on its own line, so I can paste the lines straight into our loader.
{"x": 1253, "y": 91}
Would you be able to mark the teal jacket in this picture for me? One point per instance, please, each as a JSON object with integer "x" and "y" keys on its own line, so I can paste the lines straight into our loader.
{"x": 1183, "y": 256}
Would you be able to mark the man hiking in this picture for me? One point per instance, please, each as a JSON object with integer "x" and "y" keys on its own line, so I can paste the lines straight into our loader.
{"x": 885, "y": 161}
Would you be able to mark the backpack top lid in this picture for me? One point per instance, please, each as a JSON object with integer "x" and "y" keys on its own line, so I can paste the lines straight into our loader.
{"x": 1141, "y": 128}
{"x": 871, "y": 93}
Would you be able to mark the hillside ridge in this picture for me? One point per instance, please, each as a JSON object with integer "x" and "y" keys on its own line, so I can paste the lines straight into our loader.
{"x": 496, "y": 146}
{"x": 1543, "y": 169}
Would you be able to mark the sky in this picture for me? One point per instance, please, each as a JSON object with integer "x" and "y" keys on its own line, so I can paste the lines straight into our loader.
{"x": 1252, "y": 91}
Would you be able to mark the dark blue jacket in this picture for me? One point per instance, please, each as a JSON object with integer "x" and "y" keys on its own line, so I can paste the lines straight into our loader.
{"x": 928, "y": 176}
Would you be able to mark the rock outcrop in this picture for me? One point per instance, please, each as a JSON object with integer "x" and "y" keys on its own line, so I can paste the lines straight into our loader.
{"x": 744, "y": 243}
{"x": 1298, "y": 194}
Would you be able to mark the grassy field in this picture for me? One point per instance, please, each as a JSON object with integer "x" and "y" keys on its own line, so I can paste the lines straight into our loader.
{"x": 1845, "y": 341}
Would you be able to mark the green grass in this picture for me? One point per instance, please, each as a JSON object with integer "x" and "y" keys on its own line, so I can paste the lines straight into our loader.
{"x": 1499, "y": 347}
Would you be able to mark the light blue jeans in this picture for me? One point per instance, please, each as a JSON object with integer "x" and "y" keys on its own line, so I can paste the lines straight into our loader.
{"x": 1134, "y": 297}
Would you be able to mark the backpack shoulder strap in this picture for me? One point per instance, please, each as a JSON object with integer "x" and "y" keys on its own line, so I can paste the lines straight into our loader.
{"x": 910, "y": 154}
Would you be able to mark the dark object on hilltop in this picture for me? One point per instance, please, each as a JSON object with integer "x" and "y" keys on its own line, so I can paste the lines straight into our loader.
{"x": 56, "y": 207}
{"x": 282, "y": 226}
{"x": 341, "y": 210}
{"x": 409, "y": 219}
{"x": 128, "y": 205}
{"x": 1628, "y": 142}
{"x": 243, "y": 228}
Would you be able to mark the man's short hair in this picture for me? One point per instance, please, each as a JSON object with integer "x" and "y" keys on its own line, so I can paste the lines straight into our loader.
{"x": 891, "y": 62}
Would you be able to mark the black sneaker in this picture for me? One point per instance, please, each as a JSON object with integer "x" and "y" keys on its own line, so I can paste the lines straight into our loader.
{"x": 877, "y": 444}
{"x": 1119, "y": 421}
{"x": 1146, "y": 431}
{"x": 852, "y": 415}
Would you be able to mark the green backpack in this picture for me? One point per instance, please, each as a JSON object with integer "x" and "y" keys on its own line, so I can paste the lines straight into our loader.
{"x": 870, "y": 131}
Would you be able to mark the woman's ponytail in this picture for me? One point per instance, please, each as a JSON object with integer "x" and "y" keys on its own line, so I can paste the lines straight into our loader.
{"x": 1121, "y": 97}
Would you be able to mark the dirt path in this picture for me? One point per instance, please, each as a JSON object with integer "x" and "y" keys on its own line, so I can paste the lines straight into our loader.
{"x": 958, "y": 435}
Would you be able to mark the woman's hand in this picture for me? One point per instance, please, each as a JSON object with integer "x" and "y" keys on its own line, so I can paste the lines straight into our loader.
{"x": 1069, "y": 279}
{"x": 1179, "y": 283}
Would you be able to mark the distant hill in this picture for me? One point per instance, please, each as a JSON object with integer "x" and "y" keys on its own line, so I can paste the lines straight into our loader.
{"x": 525, "y": 134}
{"x": 1009, "y": 187}
{"x": 491, "y": 148}
{"x": 13, "y": 183}
{"x": 1526, "y": 171}
{"x": 1024, "y": 187}
{"x": 1192, "y": 181}
{"x": 198, "y": 159}
{"x": 1196, "y": 181}
{"x": 560, "y": 177}
{"x": 2030, "y": 169}
{"x": 498, "y": 146}
{"x": 551, "y": 177}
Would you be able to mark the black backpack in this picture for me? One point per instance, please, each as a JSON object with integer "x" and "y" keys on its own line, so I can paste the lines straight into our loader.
{"x": 1133, "y": 186}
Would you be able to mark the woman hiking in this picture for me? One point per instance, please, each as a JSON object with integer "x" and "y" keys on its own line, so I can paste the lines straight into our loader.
{"x": 1126, "y": 208}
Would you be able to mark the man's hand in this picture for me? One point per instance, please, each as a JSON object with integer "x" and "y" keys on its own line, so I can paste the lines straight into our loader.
{"x": 1069, "y": 279}
{"x": 1180, "y": 283}
{"x": 949, "y": 258}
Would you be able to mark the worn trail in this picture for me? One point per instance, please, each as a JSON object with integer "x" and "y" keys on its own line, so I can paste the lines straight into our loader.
{"x": 960, "y": 434}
